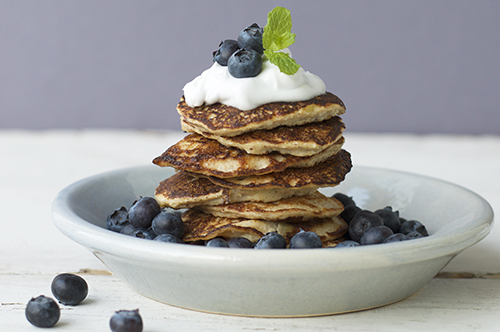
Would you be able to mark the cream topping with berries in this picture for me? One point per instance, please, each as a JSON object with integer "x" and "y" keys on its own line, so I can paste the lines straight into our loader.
{"x": 216, "y": 85}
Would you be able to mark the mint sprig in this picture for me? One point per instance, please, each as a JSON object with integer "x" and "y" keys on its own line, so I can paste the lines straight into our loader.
{"x": 278, "y": 35}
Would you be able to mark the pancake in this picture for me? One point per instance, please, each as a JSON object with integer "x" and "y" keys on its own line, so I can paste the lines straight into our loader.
{"x": 291, "y": 210}
{"x": 182, "y": 191}
{"x": 200, "y": 226}
{"x": 333, "y": 243}
{"x": 328, "y": 173}
{"x": 198, "y": 154}
{"x": 223, "y": 120}
{"x": 304, "y": 140}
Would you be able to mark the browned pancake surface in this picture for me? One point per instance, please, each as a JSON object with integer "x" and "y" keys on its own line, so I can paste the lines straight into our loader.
{"x": 304, "y": 140}
{"x": 328, "y": 173}
{"x": 226, "y": 120}
{"x": 198, "y": 154}
{"x": 181, "y": 191}
{"x": 201, "y": 226}
{"x": 292, "y": 210}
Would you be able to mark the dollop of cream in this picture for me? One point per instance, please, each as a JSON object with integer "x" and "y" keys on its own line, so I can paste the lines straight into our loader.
{"x": 216, "y": 85}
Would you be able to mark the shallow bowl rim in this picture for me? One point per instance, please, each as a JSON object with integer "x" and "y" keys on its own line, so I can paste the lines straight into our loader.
{"x": 98, "y": 239}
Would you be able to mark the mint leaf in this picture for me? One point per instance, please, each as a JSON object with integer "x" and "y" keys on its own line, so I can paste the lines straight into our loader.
{"x": 277, "y": 36}
{"x": 285, "y": 63}
{"x": 278, "y": 30}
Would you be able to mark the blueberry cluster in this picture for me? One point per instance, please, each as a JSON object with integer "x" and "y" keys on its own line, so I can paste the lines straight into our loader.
{"x": 243, "y": 57}
{"x": 375, "y": 227}
{"x": 271, "y": 240}
{"x": 145, "y": 219}
{"x": 70, "y": 290}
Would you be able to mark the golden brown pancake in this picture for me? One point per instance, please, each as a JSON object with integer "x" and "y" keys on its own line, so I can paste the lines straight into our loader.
{"x": 181, "y": 191}
{"x": 328, "y": 173}
{"x": 198, "y": 154}
{"x": 291, "y": 210}
{"x": 304, "y": 140}
{"x": 223, "y": 120}
{"x": 200, "y": 226}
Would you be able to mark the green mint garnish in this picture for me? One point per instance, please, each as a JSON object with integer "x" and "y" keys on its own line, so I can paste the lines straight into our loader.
{"x": 277, "y": 36}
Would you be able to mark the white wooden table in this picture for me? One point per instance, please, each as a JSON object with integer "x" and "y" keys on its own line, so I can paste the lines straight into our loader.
{"x": 35, "y": 166}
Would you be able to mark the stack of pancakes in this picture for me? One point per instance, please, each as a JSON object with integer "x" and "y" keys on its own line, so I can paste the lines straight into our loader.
{"x": 247, "y": 173}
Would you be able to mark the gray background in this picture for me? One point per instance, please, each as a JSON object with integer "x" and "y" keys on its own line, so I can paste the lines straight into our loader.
{"x": 399, "y": 66}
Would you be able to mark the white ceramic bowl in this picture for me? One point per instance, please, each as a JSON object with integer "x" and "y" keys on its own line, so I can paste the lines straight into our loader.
{"x": 279, "y": 283}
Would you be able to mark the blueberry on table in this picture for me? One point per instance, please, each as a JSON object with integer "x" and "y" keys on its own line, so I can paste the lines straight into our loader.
{"x": 240, "y": 242}
{"x": 69, "y": 289}
{"x": 168, "y": 222}
{"x": 390, "y": 218}
{"x": 217, "y": 242}
{"x": 413, "y": 225}
{"x": 225, "y": 50}
{"x": 363, "y": 221}
{"x": 375, "y": 235}
{"x": 251, "y": 38}
{"x": 117, "y": 220}
{"x": 142, "y": 212}
{"x": 168, "y": 238}
{"x": 42, "y": 311}
{"x": 347, "y": 243}
{"x": 245, "y": 63}
{"x": 344, "y": 199}
{"x": 271, "y": 240}
{"x": 303, "y": 240}
{"x": 126, "y": 321}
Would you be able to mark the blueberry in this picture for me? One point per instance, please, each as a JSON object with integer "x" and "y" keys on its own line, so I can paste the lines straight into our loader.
{"x": 168, "y": 222}
{"x": 361, "y": 222}
{"x": 117, "y": 220}
{"x": 413, "y": 225}
{"x": 349, "y": 212}
{"x": 217, "y": 242}
{"x": 397, "y": 237}
{"x": 251, "y": 38}
{"x": 128, "y": 230}
{"x": 390, "y": 218}
{"x": 225, "y": 50}
{"x": 168, "y": 238}
{"x": 344, "y": 199}
{"x": 244, "y": 63}
{"x": 69, "y": 289}
{"x": 42, "y": 311}
{"x": 375, "y": 235}
{"x": 142, "y": 212}
{"x": 347, "y": 243}
{"x": 414, "y": 235}
{"x": 271, "y": 240}
{"x": 239, "y": 242}
{"x": 147, "y": 234}
{"x": 126, "y": 321}
{"x": 303, "y": 240}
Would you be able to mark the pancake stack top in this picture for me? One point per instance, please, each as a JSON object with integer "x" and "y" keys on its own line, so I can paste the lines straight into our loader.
{"x": 250, "y": 172}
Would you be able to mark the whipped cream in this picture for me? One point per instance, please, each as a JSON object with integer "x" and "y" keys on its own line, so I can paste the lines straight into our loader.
{"x": 216, "y": 85}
